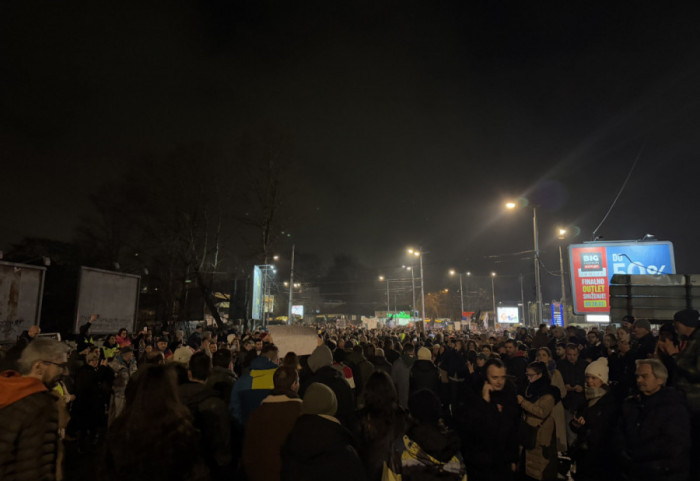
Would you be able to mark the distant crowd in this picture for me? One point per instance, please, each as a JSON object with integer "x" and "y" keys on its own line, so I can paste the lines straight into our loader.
{"x": 383, "y": 404}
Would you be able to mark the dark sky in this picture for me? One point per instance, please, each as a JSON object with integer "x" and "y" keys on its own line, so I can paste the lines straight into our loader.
{"x": 411, "y": 121}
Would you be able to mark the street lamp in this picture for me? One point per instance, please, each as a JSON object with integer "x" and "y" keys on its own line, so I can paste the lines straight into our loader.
{"x": 538, "y": 281}
{"x": 493, "y": 297}
{"x": 562, "y": 236}
{"x": 381, "y": 279}
{"x": 413, "y": 290}
{"x": 461, "y": 292}
{"x": 419, "y": 253}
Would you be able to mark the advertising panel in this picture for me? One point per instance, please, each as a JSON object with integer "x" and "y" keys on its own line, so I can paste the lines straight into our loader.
{"x": 114, "y": 296}
{"x": 21, "y": 290}
{"x": 557, "y": 314}
{"x": 508, "y": 315}
{"x": 593, "y": 264}
{"x": 298, "y": 311}
{"x": 256, "y": 313}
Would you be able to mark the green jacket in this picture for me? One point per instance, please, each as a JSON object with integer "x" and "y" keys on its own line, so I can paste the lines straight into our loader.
{"x": 688, "y": 362}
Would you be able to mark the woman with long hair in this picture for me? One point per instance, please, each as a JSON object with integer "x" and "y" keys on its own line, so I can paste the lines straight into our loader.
{"x": 380, "y": 422}
{"x": 540, "y": 462}
{"x": 153, "y": 438}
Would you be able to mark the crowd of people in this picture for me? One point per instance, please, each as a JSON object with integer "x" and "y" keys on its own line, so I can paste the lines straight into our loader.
{"x": 381, "y": 404}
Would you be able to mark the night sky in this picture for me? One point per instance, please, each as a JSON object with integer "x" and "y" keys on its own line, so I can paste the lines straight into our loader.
{"x": 411, "y": 121}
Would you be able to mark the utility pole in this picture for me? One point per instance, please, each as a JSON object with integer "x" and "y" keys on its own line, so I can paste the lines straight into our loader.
{"x": 563, "y": 286}
{"x": 291, "y": 289}
{"x": 538, "y": 282}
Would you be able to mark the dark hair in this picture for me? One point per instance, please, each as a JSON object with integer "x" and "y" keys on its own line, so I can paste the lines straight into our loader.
{"x": 547, "y": 350}
{"x": 291, "y": 359}
{"x": 424, "y": 406}
{"x": 267, "y": 348}
{"x": 408, "y": 348}
{"x": 539, "y": 368}
{"x": 511, "y": 341}
{"x": 368, "y": 351}
{"x": 380, "y": 393}
{"x": 200, "y": 366}
{"x": 572, "y": 345}
{"x": 284, "y": 377}
{"x": 487, "y": 346}
{"x": 221, "y": 358}
{"x": 494, "y": 362}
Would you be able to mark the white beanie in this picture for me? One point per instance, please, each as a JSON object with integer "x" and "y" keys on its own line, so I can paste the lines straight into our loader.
{"x": 599, "y": 369}
{"x": 424, "y": 354}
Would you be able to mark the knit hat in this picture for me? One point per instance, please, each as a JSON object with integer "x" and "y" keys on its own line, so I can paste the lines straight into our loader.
{"x": 319, "y": 399}
{"x": 182, "y": 355}
{"x": 322, "y": 356}
{"x": 424, "y": 354}
{"x": 689, "y": 317}
{"x": 599, "y": 369}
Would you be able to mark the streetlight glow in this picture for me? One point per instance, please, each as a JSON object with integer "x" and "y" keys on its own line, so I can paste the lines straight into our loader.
{"x": 493, "y": 274}
{"x": 452, "y": 272}
{"x": 510, "y": 205}
{"x": 381, "y": 278}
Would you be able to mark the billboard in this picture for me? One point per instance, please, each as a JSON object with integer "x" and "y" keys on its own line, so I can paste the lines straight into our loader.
{"x": 557, "y": 314}
{"x": 256, "y": 313}
{"x": 298, "y": 311}
{"x": 594, "y": 263}
{"x": 114, "y": 296}
{"x": 508, "y": 315}
{"x": 21, "y": 290}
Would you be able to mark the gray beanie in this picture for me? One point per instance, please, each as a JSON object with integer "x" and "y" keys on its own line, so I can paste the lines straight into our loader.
{"x": 322, "y": 356}
{"x": 319, "y": 399}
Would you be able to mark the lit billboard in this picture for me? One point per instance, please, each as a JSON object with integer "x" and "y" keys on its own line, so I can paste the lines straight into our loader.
{"x": 256, "y": 313}
{"x": 593, "y": 264}
{"x": 508, "y": 315}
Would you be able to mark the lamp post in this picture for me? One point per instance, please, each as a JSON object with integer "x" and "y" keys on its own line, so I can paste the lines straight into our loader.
{"x": 493, "y": 297}
{"x": 291, "y": 292}
{"x": 413, "y": 290}
{"x": 562, "y": 236}
{"x": 538, "y": 282}
{"x": 419, "y": 253}
{"x": 382, "y": 278}
{"x": 461, "y": 293}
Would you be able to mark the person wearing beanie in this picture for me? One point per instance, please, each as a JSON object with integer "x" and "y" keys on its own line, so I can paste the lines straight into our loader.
{"x": 318, "y": 447}
{"x": 424, "y": 374}
{"x": 322, "y": 371}
{"x": 401, "y": 373}
{"x": 594, "y": 424}
{"x": 687, "y": 324}
{"x": 380, "y": 361}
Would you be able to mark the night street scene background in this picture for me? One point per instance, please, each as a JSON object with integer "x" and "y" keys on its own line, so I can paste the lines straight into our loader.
{"x": 186, "y": 142}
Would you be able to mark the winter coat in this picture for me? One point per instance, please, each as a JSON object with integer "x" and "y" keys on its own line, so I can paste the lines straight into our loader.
{"x": 123, "y": 371}
{"x": 401, "y": 374}
{"x": 489, "y": 442}
{"x": 377, "y": 435}
{"x": 92, "y": 391}
{"x": 622, "y": 377}
{"x": 573, "y": 375}
{"x": 688, "y": 370}
{"x": 381, "y": 363}
{"x": 332, "y": 378}
{"x": 267, "y": 430}
{"x": 645, "y": 347}
{"x": 558, "y": 412}
{"x": 211, "y": 418}
{"x": 319, "y": 448}
{"x": 362, "y": 369}
{"x": 424, "y": 375}
{"x": 28, "y": 429}
{"x": 251, "y": 388}
{"x": 654, "y": 436}
{"x": 538, "y": 413}
{"x": 591, "y": 450}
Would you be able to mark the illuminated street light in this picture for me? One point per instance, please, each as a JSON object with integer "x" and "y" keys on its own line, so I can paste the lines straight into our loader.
{"x": 538, "y": 280}
{"x": 493, "y": 297}
{"x": 382, "y": 278}
{"x": 562, "y": 236}
{"x": 275, "y": 258}
{"x": 417, "y": 253}
{"x": 562, "y": 233}
{"x": 461, "y": 292}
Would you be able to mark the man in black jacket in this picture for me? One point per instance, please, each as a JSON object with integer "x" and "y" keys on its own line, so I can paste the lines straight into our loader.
{"x": 653, "y": 437}
{"x": 29, "y": 415}
{"x": 645, "y": 344}
{"x": 573, "y": 372}
{"x": 488, "y": 425}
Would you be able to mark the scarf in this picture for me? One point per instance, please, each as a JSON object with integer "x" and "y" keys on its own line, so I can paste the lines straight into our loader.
{"x": 541, "y": 387}
{"x": 593, "y": 394}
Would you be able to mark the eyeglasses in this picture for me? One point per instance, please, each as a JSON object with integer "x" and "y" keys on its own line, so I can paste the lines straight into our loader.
{"x": 63, "y": 365}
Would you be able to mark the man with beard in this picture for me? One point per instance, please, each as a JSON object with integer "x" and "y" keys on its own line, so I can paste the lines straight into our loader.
{"x": 488, "y": 426}
{"x": 28, "y": 412}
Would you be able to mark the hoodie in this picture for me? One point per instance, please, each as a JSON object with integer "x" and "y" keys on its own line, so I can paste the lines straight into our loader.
{"x": 14, "y": 386}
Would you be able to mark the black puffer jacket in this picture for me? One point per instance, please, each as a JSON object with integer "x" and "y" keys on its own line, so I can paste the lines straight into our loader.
{"x": 28, "y": 437}
{"x": 319, "y": 449}
{"x": 424, "y": 375}
{"x": 654, "y": 436}
{"x": 592, "y": 448}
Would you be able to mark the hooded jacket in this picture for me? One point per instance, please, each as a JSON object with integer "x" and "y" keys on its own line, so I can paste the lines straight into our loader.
{"x": 318, "y": 449}
{"x": 401, "y": 375}
{"x": 424, "y": 375}
{"x": 251, "y": 388}
{"x": 28, "y": 429}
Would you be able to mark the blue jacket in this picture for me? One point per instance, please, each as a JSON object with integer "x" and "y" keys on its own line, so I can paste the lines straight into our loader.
{"x": 251, "y": 388}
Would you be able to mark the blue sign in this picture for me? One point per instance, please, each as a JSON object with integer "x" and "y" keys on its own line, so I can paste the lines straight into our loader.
{"x": 641, "y": 258}
{"x": 557, "y": 314}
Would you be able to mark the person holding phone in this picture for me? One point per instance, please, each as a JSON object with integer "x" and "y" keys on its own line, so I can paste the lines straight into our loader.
{"x": 488, "y": 423}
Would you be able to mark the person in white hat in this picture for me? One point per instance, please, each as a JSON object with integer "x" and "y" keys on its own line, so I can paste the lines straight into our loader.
{"x": 594, "y": 426}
